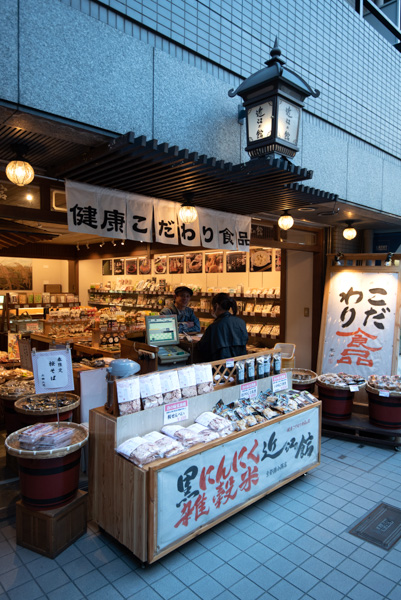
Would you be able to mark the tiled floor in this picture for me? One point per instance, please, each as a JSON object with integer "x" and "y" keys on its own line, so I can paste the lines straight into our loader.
{"x": 293, "y": 544}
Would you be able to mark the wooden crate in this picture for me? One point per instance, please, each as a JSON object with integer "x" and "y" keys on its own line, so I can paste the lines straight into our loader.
{"x": 49, "y": 532}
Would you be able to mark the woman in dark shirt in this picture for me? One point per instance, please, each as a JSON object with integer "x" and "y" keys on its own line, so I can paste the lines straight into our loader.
{"x": 226, "y": 336}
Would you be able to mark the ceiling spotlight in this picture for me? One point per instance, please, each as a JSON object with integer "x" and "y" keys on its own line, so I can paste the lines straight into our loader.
{"x": 285, "y": 221}
{"x": 188, "y": 213}
{"x": 338, "y": 258}
{"x": 87, "y": 246}
{"x": 122, "y": 242}
{"x": 349, "y": 232}
{"x": 29, "y": 197}
{"x": 19, "y": 171}
{"x": 78, "y": 248}
{"x": 389, "y": 259}
{"x": 113, "y": 242}
{"x": 101, "y": 244}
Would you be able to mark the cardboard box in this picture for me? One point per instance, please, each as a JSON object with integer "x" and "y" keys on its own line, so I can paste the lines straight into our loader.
{"x": 49, "y": 532}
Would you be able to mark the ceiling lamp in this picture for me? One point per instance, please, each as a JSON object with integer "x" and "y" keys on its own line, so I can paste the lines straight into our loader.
{"x": 285, "y": 221}
{"x": 188, "y": 213}
{"x": 349, "y": 232}
{"x": 19, "y": 171}
{"x": 389, "y": 260}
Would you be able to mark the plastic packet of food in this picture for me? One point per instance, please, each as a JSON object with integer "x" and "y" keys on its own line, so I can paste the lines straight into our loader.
{"x": 139, "y": 451}
{"x": 170, "y": 386}
{"x": 166, "y": 445}
{"x": 240, "y": 371}
{"x": 151, "y": 391}
{"x": 207, "y": 435}
{"x": 250, "y": 369}
{"x": 213, "y": 421}
{"x": 128, "y": 395}
{"x": 260, "y": 367}
{"x": 187, "y": 437}
{"x": 277, "y": 363}
{"x": 187, "y": 379}
{"x": 204, "y": 378}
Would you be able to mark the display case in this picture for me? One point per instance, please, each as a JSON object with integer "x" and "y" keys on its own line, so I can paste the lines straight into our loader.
{"x": 155, "y": 509}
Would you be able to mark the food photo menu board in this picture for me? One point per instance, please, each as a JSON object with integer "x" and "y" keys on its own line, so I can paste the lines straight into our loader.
{"x": 194, "y": 262}
{"x": 260, "y": 259}
{"x": 176, "y": 264}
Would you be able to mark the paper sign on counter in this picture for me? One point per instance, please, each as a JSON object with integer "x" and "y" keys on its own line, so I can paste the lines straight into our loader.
{"x": 279, "y": 382}
{"x": 176, "y": 411}
{"x": 249, "y": 390}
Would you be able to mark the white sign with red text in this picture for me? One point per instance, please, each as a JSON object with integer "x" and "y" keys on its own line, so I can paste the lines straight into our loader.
{"x": 196, "y": 490}
{"x": 176, "y": 411}
{"x": 360, "y": 323}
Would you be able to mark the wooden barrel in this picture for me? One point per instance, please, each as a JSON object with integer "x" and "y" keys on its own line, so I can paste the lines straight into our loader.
{"x": 336, "y": 401}
{"x": 49, "y": 478}
{"x": 307, "y": 384}
{"x": 28, "y": 416}
{"x": 49, "y": 483}
{"x": 384, "y": 411}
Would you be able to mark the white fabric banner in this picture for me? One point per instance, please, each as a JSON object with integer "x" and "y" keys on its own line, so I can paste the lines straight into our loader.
{"x": 113, "y": 213}
{"x": 243, "y": 233}
{"x": 139, "y": 218}
{"x": 166, "y": 221}
{"x": 116, "y": 214}
{"x": 82, "y": 207}
{"x": 360, "y": 323}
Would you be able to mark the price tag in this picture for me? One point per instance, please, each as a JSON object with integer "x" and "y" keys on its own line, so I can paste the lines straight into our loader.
{"x": 279, "y": 382}
{"x": 176, "y": 411}
{"x": 354, "y": 388}
{"x": 249, "y": 390}
{"x": 384, "y": 393}
{"x": 32, "y": 327}
{"x": 252, "y": 314}
{"x": 25, "y": 353}
{"x": 229, "y": 364}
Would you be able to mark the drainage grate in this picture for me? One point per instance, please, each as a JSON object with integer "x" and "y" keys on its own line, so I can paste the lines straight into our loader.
{"x": 382, "y": 526}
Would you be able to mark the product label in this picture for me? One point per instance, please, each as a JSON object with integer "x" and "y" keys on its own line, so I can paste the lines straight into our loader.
{"x": 279, "y": 382}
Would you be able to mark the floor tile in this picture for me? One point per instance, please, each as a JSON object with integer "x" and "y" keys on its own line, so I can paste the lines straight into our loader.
{"x": 302, "y": 580}
{"x": 15, "y": 578}
{"x": 207, "y": 588}
{"x": 226, "y": 575}
{"x": 168, "y": 586}
{"x": 53, "y": 580}
{"x": 322, "y": 590}
{"x": 66, "y": 592}
{"x": 244, "y": 563}
{"x": 361, "y": 592}
{"x": 340, "y": 582}
{"x": 129, "y": 584}
{"x": 29, "y": 590}
{"x": 208, "y": 561}
{"x": 378, "y": 583}
{"x": 264, "y": 577}
{"x": 108, "y": 592}
{"x": 189, "y": 573}
{"x": 91, "y": 582}
{"x": 285, "y": 591}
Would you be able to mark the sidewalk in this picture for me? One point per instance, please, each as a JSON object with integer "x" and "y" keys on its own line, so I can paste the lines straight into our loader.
{"x": 292, "y": 544}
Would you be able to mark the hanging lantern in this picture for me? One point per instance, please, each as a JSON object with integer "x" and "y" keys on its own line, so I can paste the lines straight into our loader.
{"x": 285, "y": 221}
{"x": 273, "y": 101}
{"x": 188, "y": 213}
{"x": 20, "y": 172}
{"x": 349, "y": 232}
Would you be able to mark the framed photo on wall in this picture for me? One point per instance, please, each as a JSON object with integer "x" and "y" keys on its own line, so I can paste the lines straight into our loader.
{"x": 194, "y": 262}
{"x": 131, "y": 266}
{"x": 107, "y": 267}
{"x": 236, "y": 262}
{"x": 213, "y": 262}
{"x": 160, "y": 265}
{"x": 144, "y": 265}
{"x": 277, "y": 260}
{"x": 260, "y": 259}
{"x": 118, "y": 266}
{"x": 176, "y": 264}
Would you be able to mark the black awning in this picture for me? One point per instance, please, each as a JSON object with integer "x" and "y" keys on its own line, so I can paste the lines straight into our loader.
{"x": 137, "y": 165}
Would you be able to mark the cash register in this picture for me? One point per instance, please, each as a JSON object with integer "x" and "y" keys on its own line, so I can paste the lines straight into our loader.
{"x": 162, "y": 331}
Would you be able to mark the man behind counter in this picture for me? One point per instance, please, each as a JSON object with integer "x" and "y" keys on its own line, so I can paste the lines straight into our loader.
{"x": 188, "y": 322}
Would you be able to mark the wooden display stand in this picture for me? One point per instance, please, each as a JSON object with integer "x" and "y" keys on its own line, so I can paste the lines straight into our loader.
{"x": 138, "y": 506}
{"x": 49, "y": 532}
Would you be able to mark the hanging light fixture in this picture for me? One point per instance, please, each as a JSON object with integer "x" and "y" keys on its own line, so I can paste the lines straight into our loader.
{"x": 285, "y": 221}
{"x": 19, "y": 171}
{"x": 349, "y": 232}
{"x": 87, "y": 246}
{"x": 188, "y": 213}
{"x": 113, "y": 242}
{"x": 78, "y": 248}
{"x": 101, "y": 244}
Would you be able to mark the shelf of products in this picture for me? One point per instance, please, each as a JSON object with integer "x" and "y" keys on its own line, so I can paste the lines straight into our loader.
{"x": 253, "y": 304}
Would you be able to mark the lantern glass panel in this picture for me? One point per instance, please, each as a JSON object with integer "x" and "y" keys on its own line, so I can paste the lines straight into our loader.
{"x": 288, "y": 121}
{"x": 260, "y": 121}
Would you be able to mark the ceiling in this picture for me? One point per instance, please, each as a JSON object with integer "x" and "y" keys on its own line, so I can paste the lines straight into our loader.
{"x": 260, "y": 187}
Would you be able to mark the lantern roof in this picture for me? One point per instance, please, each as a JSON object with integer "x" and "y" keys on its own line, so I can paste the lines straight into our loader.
{"x": 275, "y": 69}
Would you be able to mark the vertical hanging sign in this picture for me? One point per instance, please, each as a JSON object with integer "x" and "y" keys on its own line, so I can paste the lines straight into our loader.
{"x": 166, "y": 222}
